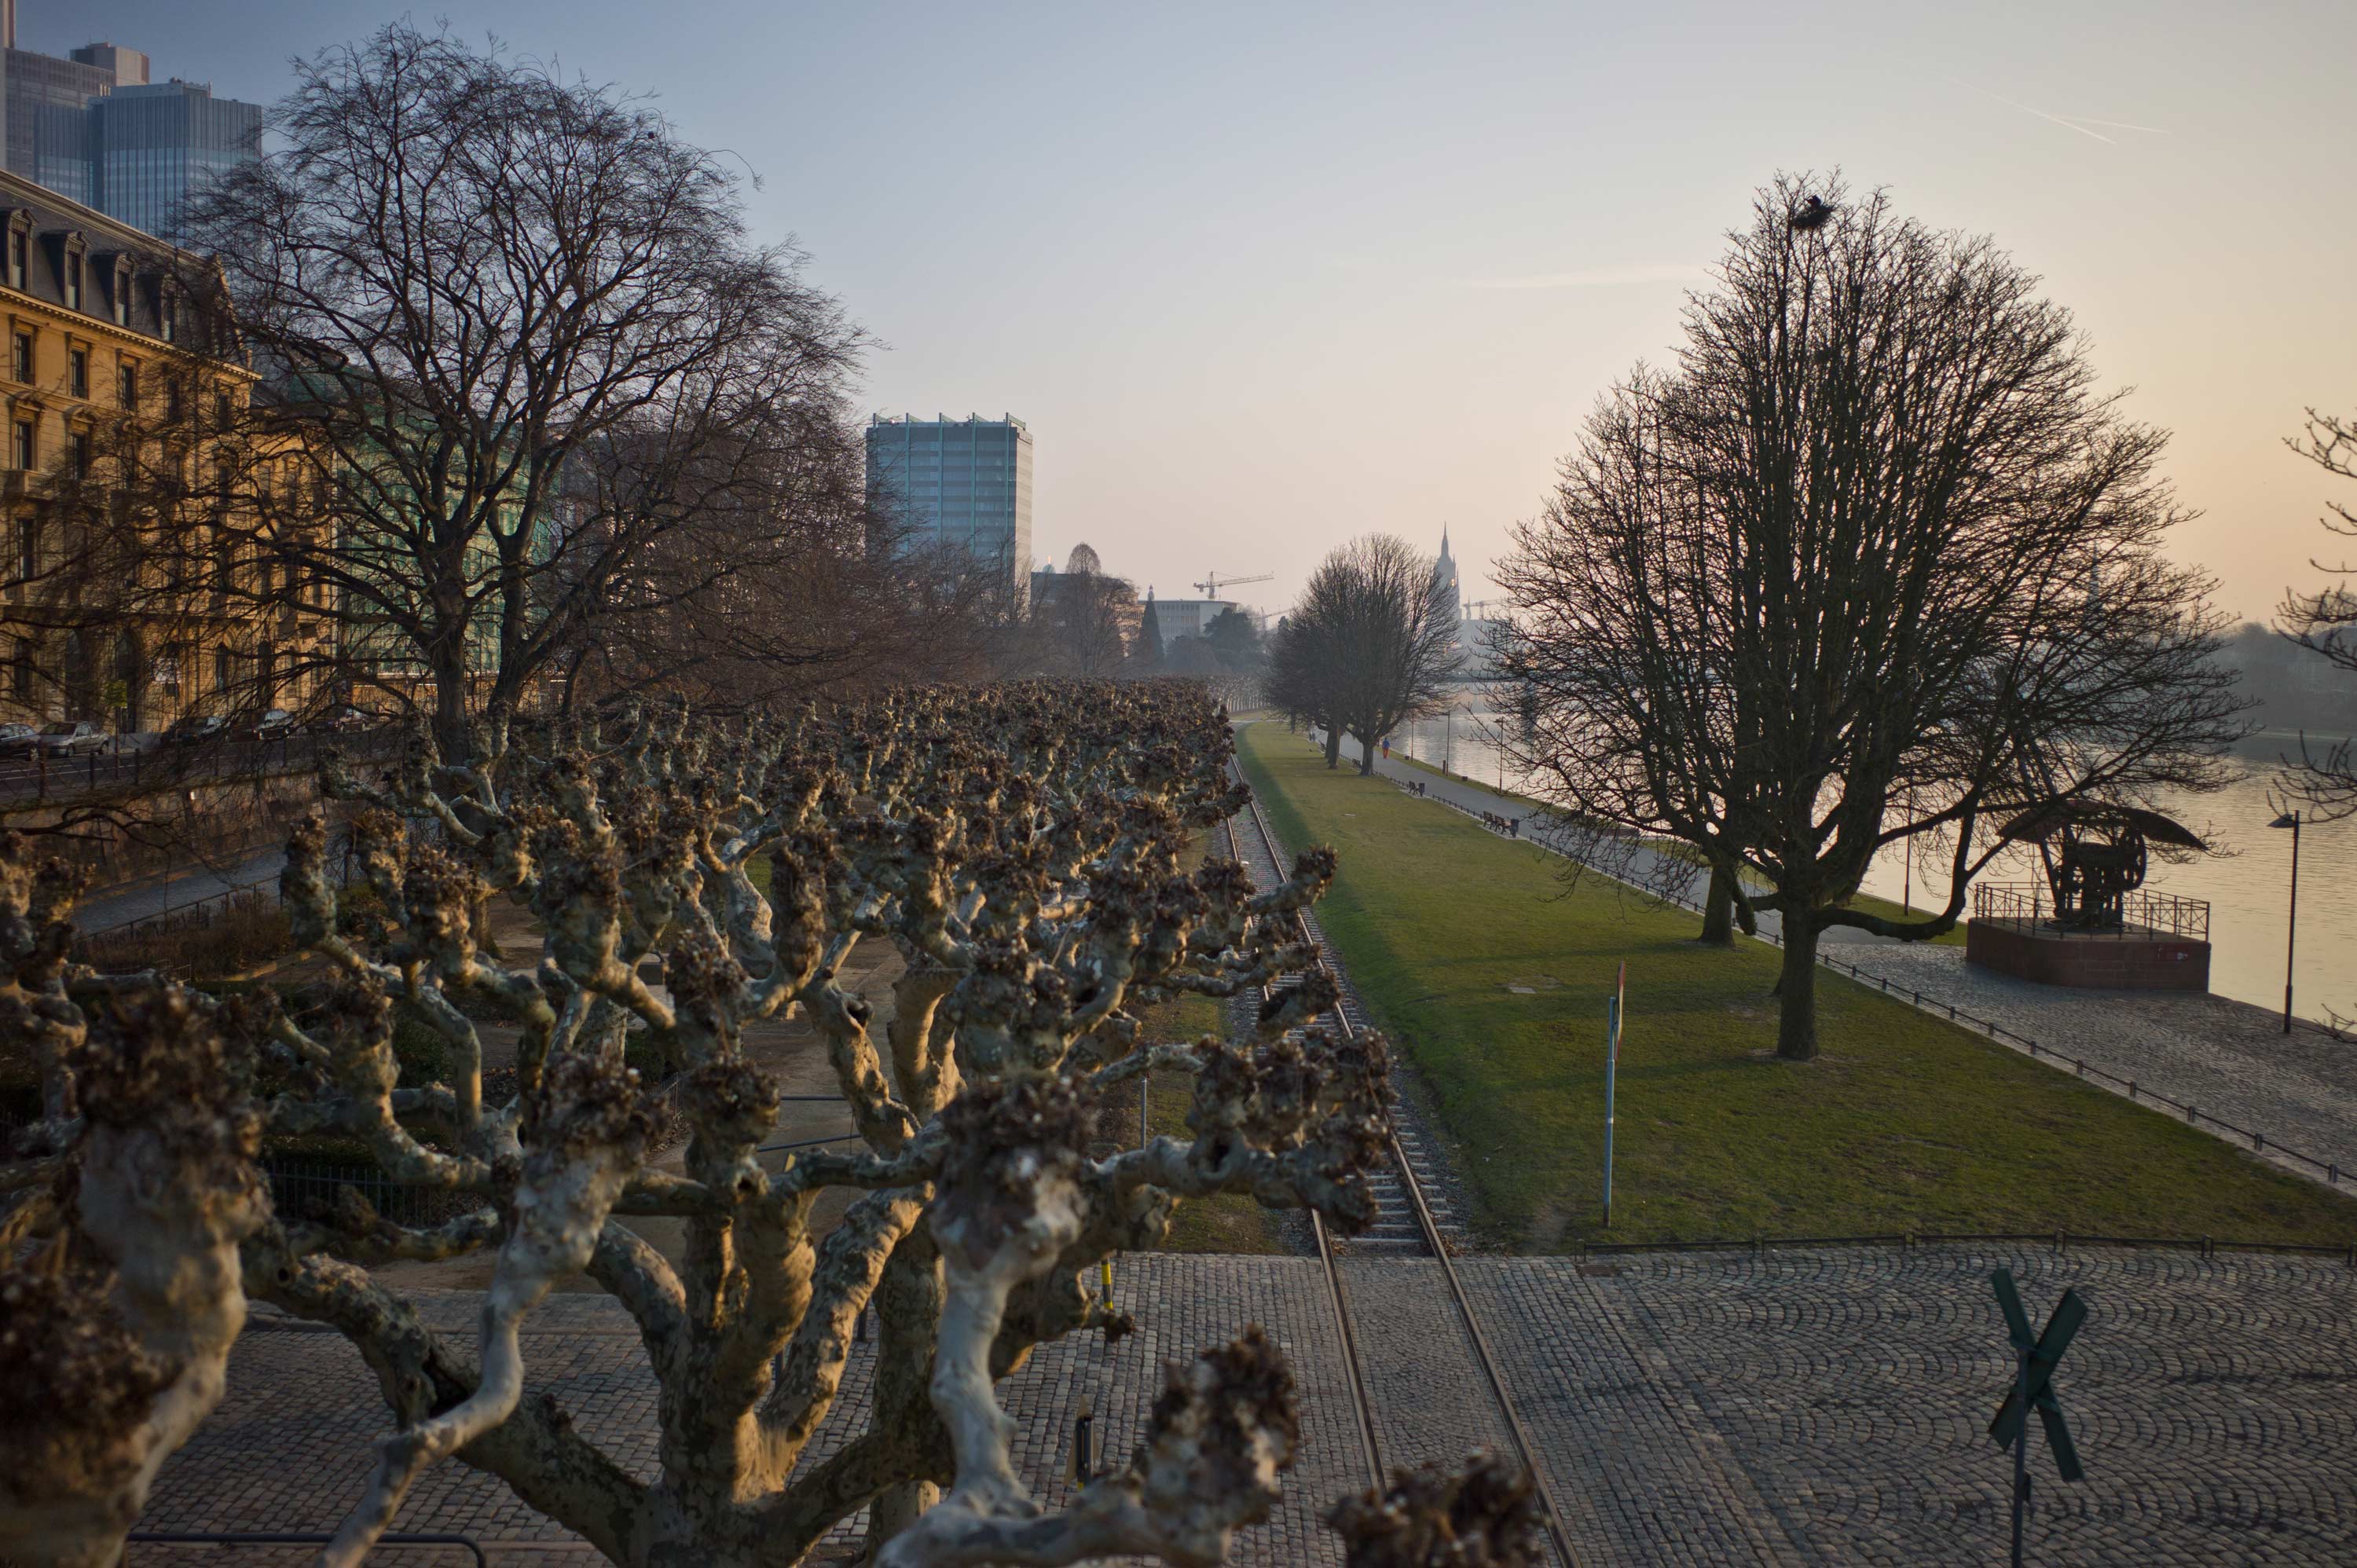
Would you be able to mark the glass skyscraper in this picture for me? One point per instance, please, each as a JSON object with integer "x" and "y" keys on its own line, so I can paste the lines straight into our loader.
{"x": 963, "y": 483}
{"x": 153, "y": 146}
{"x": 95, "y": 130}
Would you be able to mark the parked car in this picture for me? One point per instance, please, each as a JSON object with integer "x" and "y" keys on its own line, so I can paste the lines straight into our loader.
{"x": 195, "y": 729}
{"x": 344, "y": 719}
{"x": 16, "y": 740}
{"x": 273, "y": 724}
{"x": 70, "y": 737}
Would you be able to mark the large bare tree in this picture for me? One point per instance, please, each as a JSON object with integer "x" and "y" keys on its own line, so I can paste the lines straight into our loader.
{"x": 1877, "y": 559}
{"x": 1371, "y": 644}
{"x": 516, "y": 341}
{"x": 1017, "y": 848}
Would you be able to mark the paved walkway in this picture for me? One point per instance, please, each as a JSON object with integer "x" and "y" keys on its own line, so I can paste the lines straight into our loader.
{"x": 148, "y": 897}
{"x": 2227, "y": 1058}
{"x": 1798, "y": 1408}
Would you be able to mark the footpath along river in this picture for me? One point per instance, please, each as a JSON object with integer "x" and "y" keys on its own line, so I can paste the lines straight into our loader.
{"x": 2247, "y": 883}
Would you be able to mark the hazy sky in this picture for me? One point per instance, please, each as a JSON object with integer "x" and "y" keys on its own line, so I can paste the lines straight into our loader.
{"x": 1263, "y": 277}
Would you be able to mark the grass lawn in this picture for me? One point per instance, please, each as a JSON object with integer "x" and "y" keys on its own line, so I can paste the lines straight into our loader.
{"x": 1904, "y": 1122}
{"x": 1866, "y": 901}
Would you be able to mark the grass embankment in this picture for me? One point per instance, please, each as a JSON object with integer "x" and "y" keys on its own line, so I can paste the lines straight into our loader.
{"x": 1866, "y": 902}
{"x": 1903, "y": 1122}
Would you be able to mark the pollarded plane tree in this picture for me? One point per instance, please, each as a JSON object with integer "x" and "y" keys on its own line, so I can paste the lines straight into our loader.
{"x": 1016, "y": 846}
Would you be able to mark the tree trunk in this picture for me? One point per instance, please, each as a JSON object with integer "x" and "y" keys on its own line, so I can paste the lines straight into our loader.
{"x": 907, "y": 1303}
{"x": 1366, "y": 757}
{"x": 1796, "y": 988}
{"x": 1333, "y": 747}
{"x": 1718, "y": 911}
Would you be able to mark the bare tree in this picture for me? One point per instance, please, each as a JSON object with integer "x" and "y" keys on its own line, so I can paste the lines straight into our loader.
{"x": 1375, "y": 617}
{"x": 2325, "y": 622}
{"x": 1084, "y": 623}
{"x": 1017, "y": 846}
{"x": 1878, "y": 560}
{"x": 1301, "y": 681}
{"x": 517, "y": 341}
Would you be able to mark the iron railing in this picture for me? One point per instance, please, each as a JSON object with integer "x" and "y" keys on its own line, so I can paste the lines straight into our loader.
{"x": 2144, "y": 914}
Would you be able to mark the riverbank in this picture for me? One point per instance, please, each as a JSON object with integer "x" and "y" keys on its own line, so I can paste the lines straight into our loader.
{"x": 1493, "y": 978}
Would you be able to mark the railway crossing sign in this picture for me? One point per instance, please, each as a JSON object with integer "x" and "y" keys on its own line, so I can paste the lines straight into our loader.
{"x": 2034, "y": 1357}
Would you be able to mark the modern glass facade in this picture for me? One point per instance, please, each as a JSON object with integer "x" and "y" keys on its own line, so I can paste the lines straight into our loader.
{"x": 964, "y": 483}
{"x": 93, "y": 129}
{"x": 48, "y": 121}
{"x": 153, "y": 147}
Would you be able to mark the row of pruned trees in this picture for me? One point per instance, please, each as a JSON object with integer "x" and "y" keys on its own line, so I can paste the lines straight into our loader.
{"x": 1018, "y": 849}
{"x": 1371, "y": 644}
{"x": 1875, "y": 559}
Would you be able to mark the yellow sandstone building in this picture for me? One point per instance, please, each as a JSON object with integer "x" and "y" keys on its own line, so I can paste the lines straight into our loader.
{"x": 134, "y": 587}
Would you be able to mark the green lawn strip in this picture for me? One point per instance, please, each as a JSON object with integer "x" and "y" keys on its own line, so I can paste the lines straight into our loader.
{"x": 1683, "y": 850}
{"x": 1904, "y": 1123}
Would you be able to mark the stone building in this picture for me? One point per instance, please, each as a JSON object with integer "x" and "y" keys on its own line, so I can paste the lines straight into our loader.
{"x": 129, "y": 593}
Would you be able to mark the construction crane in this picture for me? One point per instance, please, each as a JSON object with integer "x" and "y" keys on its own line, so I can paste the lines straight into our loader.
{"x": 1212, "y": 583}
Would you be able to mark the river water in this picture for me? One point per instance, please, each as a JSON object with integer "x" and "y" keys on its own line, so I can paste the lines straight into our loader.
{"x": 2247, "y": 883}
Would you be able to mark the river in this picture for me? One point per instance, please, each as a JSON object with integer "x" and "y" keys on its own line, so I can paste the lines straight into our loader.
{"x": 2247, "y": 883}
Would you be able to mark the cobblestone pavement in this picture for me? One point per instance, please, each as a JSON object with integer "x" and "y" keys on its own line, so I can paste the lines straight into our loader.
{"x": 2226, "y": 1059}
{"x": 1800, "y": 1407}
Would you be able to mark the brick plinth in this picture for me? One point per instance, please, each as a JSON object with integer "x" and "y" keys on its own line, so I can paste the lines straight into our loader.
{"x": 2135, "y": 959}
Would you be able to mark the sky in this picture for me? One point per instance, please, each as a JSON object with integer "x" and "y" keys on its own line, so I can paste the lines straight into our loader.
{"x": 1262, "y": 278}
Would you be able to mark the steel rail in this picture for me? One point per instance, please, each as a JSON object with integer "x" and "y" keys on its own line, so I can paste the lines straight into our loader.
{"x": 1338, "y": 1293}
{"x": 1557, "y": 1530}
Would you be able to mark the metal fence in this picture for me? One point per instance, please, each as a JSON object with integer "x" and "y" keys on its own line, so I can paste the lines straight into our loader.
{"x": 41, "y": 778}
{"x": 2207, "y": 1246}
{"x": 2143, "y": 914}
{"x": 2260, "y": 1142}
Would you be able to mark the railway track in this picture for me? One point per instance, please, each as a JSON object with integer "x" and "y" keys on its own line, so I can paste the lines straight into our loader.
{"x": 1410, "y": 1223}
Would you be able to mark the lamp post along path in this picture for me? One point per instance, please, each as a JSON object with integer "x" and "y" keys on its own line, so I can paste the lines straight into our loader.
{"x": 2291, "y": 926}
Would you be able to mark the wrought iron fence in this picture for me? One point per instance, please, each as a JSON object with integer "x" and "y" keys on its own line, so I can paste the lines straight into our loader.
{"x": 2143, "y": 913}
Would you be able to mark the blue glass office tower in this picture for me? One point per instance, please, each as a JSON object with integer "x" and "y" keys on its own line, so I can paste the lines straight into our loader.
{"x": 961, "y": 483}
{"x": 93, "y": 128}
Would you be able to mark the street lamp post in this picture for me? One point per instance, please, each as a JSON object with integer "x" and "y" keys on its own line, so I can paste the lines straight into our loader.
{"x": 2291, "y": 934}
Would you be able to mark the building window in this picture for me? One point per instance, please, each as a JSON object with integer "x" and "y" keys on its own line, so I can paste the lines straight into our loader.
{"x": 171, "y": 402}
{"x": 78, "y": 454}
{"x": 20, "y": 357}
{"x": 119, "y": 297}
{"x": 20, "y": 451}
{"x": 127, "y": 384}
{"x": 221, "y": 410}
{"x": 78, "y": 372}
{"x": 20, "y": 670}
{"x": 20, "y": 246}
{"x": 73, "y": 280}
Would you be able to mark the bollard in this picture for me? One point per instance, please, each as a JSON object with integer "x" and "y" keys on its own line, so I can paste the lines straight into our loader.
{"x": 2131, "y": 1089}
{"x": 1083, "y": 1467}
{"x": 2258, "y": 1143}
{"x": 2192, "y": 1115}
{"x": 1105, "y": 1277}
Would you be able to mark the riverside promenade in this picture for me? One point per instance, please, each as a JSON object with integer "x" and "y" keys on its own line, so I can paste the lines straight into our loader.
{"x": 2227, "y": 1058}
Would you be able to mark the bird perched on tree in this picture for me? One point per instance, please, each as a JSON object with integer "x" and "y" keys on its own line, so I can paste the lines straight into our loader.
{"x": 1813, "y": 213}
